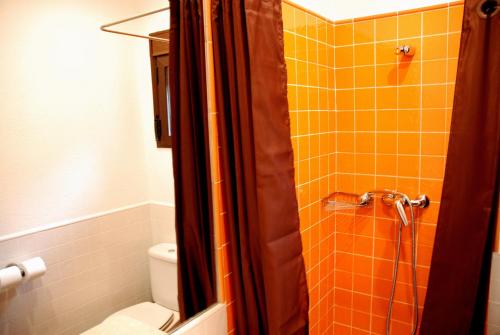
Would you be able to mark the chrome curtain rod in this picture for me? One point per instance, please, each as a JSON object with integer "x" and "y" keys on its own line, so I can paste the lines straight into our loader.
{"x": 105, "y": 27}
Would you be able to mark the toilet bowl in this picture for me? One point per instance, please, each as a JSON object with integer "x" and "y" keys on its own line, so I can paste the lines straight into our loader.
{"x": 163, "y": 313}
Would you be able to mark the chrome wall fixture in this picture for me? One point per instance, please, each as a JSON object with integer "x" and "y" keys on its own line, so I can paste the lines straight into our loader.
{"x": 343, "y": 200}
{"x": 406, "y": 50}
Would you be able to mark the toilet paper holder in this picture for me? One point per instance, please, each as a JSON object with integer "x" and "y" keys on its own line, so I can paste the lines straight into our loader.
{"x": 21, "y": 269}
{"x": 27, "y": 271}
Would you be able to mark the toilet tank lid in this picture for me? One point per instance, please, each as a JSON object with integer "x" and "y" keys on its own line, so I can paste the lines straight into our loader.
{"x": 164, "y": 251}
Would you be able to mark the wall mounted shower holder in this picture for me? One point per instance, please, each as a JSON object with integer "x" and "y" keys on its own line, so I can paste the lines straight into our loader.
{"x": 406, "y": 50}
{"x": 342, "y": 200}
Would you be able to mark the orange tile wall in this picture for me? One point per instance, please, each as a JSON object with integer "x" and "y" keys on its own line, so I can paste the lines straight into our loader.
{"x": 386, "y": 125}
{"x": 309, "y": 54}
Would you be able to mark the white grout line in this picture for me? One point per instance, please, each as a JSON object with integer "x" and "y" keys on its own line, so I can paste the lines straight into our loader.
{"x": 375, "y": 176}
{"x": 355, "y": 170}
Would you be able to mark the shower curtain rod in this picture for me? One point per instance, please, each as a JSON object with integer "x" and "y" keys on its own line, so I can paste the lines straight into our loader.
{"x": 105, "y": 27}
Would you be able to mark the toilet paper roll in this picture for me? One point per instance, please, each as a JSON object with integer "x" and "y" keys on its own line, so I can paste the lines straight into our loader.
{"x": 33, "y": 268}
{"x": 10, "y": 276}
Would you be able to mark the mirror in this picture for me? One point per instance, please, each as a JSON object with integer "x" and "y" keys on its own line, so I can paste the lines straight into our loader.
{"x": 87, "y": 184}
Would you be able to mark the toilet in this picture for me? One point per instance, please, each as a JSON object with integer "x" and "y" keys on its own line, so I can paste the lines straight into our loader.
{"x": 163, "y": 313}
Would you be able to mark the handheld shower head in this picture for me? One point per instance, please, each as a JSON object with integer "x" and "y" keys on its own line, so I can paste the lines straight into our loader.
{"x": 400, "y": 208}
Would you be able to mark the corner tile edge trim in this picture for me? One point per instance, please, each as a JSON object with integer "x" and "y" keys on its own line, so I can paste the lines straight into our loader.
{"x": 67, "y": 222}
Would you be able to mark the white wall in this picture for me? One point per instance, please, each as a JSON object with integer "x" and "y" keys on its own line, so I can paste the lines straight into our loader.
{"x": 344, "y": 9}
{"x": 76, "y": 132}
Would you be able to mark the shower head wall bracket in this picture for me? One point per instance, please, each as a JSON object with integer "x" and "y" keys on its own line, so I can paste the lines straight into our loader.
{"x": 406, "y": 50}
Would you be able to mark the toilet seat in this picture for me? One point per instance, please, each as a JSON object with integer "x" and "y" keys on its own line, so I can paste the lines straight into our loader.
{"x": 154, "y": 315}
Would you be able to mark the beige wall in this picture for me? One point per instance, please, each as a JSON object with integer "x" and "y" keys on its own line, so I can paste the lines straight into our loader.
{"x": 75, "y": 121}
{"x": 94, "y": 268}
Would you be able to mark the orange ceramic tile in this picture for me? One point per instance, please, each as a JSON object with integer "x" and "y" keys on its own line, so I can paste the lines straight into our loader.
{"x": 364, "y": 31}
{"x": 312, "y": 51}
{"x": 312, "y": 74}
{"x": 301, "y": 48}
{"x": 433, "y": 119}
{"x": 387, "y": 120}
{"x": 409, "y": 73}
{"x": 288, "y": 17}
{"x": 365, "y": 142}
{"x": 322, "y": 30}
{"x": 312, "y": 26}
{"x": 345, "y": 99}
{"x": 363, "y": 246}
{"x": 408, "y": 143}
{"x": 345, "y": 142}
{"x": 344, "y": 34}
{"x": 410, "y": 25}
{"x": 386, "y": 28}
{"x": 433, "y": 47}
{"x": 322, "y": 54}
{"x": 364, "y": 98}
{"x": 387, "y": 75}
{"x": 409, "y": 120}
{"x": 432, "y": 167}
{"x": 346, "y": 121}
{"x": 387, "y": 143}
{"x": 409, "y": 185}
{"x": 409, "y": 97}
{"x": 361, "y": 320}
{"x": 362, "y": 284}
{"x": 365, "y": 120}
{"x": 345, "y": 78}
{"x": 363, "y": 54}
{"x": 434, "y": 96}
{"x": 453, "y": 44}
{"x": 289, "y": 43}
{"x": 300, "y": 25}
{"x": 301, "y": 67}
{"x": 365, "y": 164}
{"x": 364, "y": 182}
{"x": 433, "y": 187}
{"x": 455, "y": 19}
{"x": 434, "y": 72}
{"x": 382, "y": 269}
{"x": 434, "y": 144}
{"x": 291, "y": 70}
{"x": 344, "y": 56}
{"x": 365, "y": 76}
{"x": 408, "y": 166}
{"x": 383, "y": 249}
{"x": 452, "y": 70}
{"x": 435, "y": 21}
{"x": 386, "y": 165}
{"x": 345, "y": 182}
{"x": 387, "y": 98}
{"x": 384, "y": 53}
{"x": 313, "y": 102}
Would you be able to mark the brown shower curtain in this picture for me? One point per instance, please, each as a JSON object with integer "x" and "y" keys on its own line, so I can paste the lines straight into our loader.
{"x": 257, "y": 165}
{"x": 457, "y": 293}
{"x": 191, "y": 159}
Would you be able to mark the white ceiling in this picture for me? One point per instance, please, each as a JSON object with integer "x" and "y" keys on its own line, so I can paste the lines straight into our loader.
{"x": 346, "y": 9}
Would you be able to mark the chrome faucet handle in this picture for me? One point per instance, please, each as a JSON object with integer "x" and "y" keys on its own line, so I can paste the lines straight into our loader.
{"x": 401, "y": 211}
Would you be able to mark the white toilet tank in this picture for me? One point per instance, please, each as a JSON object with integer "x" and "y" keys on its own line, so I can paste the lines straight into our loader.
{"x": 163, "y": 273}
